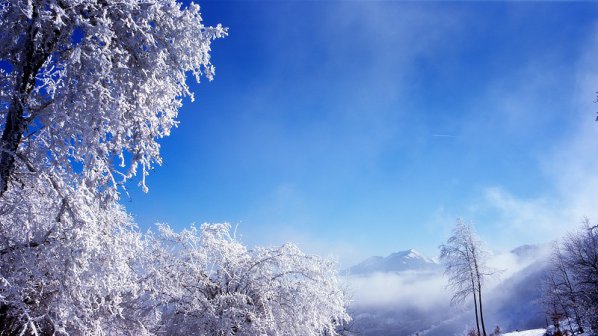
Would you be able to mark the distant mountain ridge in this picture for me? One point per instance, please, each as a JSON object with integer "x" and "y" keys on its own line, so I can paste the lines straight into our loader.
{"x": 513, "y": 303}
{"x": 401, "y": 261}
{"x": 530, "y": 251}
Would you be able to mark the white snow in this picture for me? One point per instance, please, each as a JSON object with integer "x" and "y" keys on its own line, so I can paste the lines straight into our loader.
{"x": 533, "y": 332}
{"x": 395, "y": 262}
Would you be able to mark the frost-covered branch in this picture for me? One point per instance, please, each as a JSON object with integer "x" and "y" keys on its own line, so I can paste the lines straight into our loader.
{"x": 464, "y": 258}
{"x": 221, "y": 287}
{"x": 104, "y": 78}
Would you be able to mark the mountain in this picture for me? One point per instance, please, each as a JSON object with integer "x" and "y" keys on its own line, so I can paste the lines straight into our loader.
{"x": 408, "y": 260}
{"x": 405, "y": 293}
{"x": 532, "y": 252}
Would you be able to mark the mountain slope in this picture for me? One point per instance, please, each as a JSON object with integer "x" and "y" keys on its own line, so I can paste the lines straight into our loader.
{"x": 407, "y": 260}
{"x": 405, "y": 293}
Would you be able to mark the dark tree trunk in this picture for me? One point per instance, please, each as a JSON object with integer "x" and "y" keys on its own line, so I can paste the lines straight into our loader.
{"x": 481, "y": 311}
{"x": 472, "y": 273}
{"x": 11, "y": 137}
{"x": 478, "y": 280}
{"x": 15, "y": 123}
{"x": 36, "y": 51}
{"x": 475, "y": 306}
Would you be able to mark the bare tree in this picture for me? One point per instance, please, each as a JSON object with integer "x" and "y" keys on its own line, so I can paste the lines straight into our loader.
{"x": 464, "y": 258}
{"x": 560, "y": 287}
{"x": 572, "y": 281}
{"x": 580, "y": 259}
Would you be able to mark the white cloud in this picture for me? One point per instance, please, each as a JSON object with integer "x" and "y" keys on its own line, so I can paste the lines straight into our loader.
{"x": 568, "y": 162}
{"x": 422, "y": 290}
{"x": 426, "y": 289}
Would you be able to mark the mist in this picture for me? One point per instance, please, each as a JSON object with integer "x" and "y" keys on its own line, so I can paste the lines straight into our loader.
{"x": 403, "y": 303}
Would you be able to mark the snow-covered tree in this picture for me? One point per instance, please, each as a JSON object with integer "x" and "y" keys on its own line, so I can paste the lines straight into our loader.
{"x": 88, "y": 86}
{"x": 573, "y": 277}
{"x": 464, "y": 258}
{"x": 580, "y": 252}
{"x": 559, "y": 293}
{"x": 65, "y": 266}
{"x": 206, "y": 282}
{"x": 102, "y": 277}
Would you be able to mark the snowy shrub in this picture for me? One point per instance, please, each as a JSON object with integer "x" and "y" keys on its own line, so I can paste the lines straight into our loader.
{"x": 206, "y": 280}
{"x": 90, "y": 272}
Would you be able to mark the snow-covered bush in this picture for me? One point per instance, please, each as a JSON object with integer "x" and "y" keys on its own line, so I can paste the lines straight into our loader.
{"x": 206, "y": 280}
{"x": 87, "y": 271}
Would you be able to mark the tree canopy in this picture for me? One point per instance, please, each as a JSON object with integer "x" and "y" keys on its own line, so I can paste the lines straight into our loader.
{"x": 88, "y": 86}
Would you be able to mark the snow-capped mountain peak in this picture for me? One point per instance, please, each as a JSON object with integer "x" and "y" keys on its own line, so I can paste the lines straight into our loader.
{"x": 395, "y": 262}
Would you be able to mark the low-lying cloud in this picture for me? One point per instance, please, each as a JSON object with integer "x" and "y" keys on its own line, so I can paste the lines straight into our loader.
{"x": 421, "y": 290}
{"x": 402, "y": 303}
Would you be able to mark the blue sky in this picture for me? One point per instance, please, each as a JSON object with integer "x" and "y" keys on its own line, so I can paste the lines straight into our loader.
{"x": 361, "y": 128}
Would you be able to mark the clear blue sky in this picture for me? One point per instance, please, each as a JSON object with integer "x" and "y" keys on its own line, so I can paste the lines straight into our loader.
{"x": 360, "y": 128}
